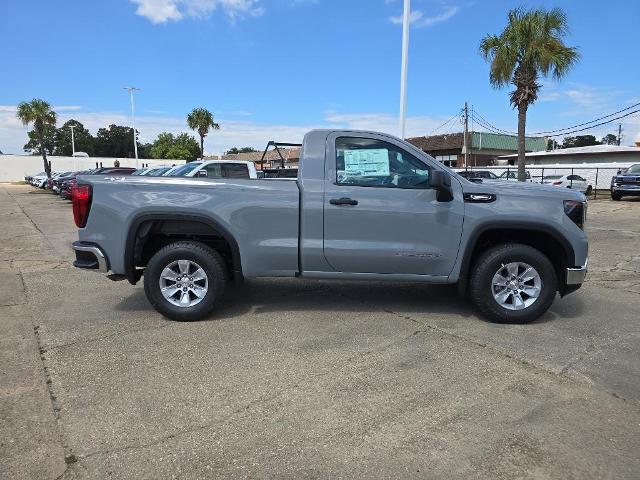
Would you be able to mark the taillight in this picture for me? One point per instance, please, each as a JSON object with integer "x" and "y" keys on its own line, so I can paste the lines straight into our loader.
{"x": 81, "y": 199}
{"x": 557, "y": 183}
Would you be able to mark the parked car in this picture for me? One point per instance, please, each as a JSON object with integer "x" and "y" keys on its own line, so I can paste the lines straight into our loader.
{"x": 215, "y": 169}
{"x": 39, "y": 180}
{"x": 511, "y": 247}
{"x": 478, "y": 174}
{"x": 575, "y": 182}
{"x": 626, "y": 183}
{"x": 513, "y": 175}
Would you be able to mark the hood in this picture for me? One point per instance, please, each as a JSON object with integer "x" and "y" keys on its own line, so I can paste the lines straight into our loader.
{"x": 522, "y": 189}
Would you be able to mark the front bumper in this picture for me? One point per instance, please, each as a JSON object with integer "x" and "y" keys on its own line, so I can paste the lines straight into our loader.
{"x": 576, "y": 275}
{"x": 90, "y": 257}
{"x": 626, "y": 189}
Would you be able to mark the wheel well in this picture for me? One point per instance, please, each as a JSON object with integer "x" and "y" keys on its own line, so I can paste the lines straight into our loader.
{"x": 540, "y": 240}
{"x": 149, "y": 236}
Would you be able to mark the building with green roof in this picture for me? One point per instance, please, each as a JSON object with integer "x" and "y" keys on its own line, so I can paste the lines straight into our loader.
{"x": 483, "y": 147}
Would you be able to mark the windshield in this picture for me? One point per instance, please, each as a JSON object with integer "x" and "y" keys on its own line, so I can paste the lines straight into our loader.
{"x": 185, "y": 169}
{"x": 634, "y": 168}
{"x": 552, "y": 177}
{"x": 159, "y": 171}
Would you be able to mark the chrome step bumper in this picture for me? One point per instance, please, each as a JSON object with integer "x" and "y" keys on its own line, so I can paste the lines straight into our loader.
{"x": 90, "y": 257}
{"x": 576, "y": 275}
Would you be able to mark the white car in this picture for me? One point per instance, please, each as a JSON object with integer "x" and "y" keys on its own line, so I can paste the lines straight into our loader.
{"x": 513, "y": 175}
{"x": 215, "y": 169}
{"x": 574, "y": 182}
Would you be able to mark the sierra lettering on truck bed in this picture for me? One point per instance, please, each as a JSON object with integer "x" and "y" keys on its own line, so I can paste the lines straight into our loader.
{"x": 365, "y": 206}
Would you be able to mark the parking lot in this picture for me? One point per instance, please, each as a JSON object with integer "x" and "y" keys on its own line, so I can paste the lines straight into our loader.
{"x": 302, "y": 379}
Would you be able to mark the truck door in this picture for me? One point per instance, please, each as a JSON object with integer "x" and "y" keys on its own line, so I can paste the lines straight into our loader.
{"x": 380, "y": 216}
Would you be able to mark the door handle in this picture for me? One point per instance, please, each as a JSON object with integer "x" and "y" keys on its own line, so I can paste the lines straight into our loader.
{"x": 343, "y": 201}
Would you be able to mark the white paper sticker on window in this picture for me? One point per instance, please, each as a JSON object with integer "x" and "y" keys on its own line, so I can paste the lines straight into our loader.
{"x": 367, "y": 162}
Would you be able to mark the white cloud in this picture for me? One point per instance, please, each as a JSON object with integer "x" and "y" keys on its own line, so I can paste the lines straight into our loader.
{"x": 418, "y": 18}
{"x": 162, "y": 11}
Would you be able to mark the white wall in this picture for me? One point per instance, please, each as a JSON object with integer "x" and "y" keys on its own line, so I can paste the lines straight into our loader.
{"x": 14, "y": 167}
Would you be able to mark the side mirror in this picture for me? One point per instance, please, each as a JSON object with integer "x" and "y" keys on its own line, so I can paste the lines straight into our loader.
{"x": 202, "y": 173}
{"x": 440, "y": 181}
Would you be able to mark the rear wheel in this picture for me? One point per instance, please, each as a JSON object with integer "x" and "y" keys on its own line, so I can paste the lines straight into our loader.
{"x": 513, "y": 283}
{"x": 184, "y": 280}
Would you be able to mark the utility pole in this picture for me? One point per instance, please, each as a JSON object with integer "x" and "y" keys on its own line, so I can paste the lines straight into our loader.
{"x": 405, "y": 60}
{"x": 619, "y": 133}
{"x": 465, "y": 148}
{"x": 133, "y": 121}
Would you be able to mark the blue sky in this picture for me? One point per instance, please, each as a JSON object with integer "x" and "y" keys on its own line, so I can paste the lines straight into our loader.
{"x": 272, "y": 69}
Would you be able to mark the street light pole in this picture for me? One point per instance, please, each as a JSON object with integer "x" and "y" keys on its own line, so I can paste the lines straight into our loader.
{"x": 133, "y": 121}
{"x": 405, "y": 59}
{"x": 73, "y": 141}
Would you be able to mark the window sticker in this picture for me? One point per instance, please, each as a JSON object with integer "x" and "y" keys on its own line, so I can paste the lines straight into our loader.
{"x": 367, "y": 162}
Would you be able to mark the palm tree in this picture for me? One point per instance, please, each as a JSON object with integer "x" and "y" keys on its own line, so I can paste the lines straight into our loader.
{"x": 201, "y": 119}
{"x": 530, "y": 46}
{"x": 42, "y": 116}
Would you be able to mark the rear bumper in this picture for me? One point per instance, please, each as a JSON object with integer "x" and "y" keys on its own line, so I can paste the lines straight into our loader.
{"x": 576, "y": 275}
{"x": 90, "y": 257}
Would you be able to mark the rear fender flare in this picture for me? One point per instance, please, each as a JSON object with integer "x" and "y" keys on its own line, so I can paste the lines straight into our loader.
{"x": 133, "y": 275}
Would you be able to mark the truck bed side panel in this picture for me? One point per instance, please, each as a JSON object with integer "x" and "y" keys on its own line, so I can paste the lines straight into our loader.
{"x": 261, "y": 215}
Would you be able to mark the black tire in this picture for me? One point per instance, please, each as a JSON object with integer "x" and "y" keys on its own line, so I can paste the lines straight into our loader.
{"x": 589, "y": 190}
{"x": 489, "y": 263}
{"x": 207, "y": 258}
{"x": 616, "y": 196}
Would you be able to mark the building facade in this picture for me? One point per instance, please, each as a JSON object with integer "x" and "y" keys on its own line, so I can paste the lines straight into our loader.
{"x": 482, "y": 148}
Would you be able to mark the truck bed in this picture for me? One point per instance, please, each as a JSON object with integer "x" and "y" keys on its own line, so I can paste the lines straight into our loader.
{"x": 262, "y": 215}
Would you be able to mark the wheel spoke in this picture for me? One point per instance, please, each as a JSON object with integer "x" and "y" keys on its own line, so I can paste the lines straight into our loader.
{"x": 502, "y": 296}
{"x": 531, "y": 291}
{"x": 185, "y": 300}
{"x": 168, "y": 274}
{"x": 183, "y": 265}
{"x": 500, "y": 280}
{"x": 518, "y": 302}
{"x": 528, "y": 274}
{"x": 169, "y": 291}
{"x": 199, "y": 291}
{"x": 512, "y": 268}
{"x": 199, "y": 275}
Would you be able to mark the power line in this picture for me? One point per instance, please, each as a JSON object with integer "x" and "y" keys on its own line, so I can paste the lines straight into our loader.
{"x": 596, "y": 125}
{"x": 562, "y": 131}
{"x": 457, "y": 115}
{"x": 592, "y": 121}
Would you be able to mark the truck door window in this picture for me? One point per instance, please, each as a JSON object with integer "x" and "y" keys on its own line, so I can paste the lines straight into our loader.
{"x": 366, "y": 162}
{"x": 235, "y": 170}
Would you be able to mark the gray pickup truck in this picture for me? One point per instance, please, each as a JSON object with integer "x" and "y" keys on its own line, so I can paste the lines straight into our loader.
{"x": 365, "y": 206}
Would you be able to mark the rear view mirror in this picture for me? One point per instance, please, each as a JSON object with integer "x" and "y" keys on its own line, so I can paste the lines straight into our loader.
{"x": 440, "y": 181}
{"x": 202, "y": 173}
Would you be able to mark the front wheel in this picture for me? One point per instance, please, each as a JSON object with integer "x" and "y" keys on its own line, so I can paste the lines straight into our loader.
{"x": 513, "y": 283}
{"x": 589, "y": 190}
{"x": 616, "y": 196}
{"x": 184, "y": 280}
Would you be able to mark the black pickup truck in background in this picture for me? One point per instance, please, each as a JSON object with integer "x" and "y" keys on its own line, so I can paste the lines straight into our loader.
{"x": 626, "y": 183}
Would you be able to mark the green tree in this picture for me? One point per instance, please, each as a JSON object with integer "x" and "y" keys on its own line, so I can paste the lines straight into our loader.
{"x": 610, "y": 139}
{"x": 34, "y": 145}
{"x": 84, "y": 141}
{"x": 579, "y": 141}
{"x": 200, "y": 120}
{"x": 530, "y": 46}
{"x": 39, "y": 113}
{"x": 115, "y": 141}
{"x": 235, "y": 150}
{"x": 181, "y": 147}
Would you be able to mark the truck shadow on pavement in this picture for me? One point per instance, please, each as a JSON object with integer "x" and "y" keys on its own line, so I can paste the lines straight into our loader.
{"x": 408, "y": 300}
